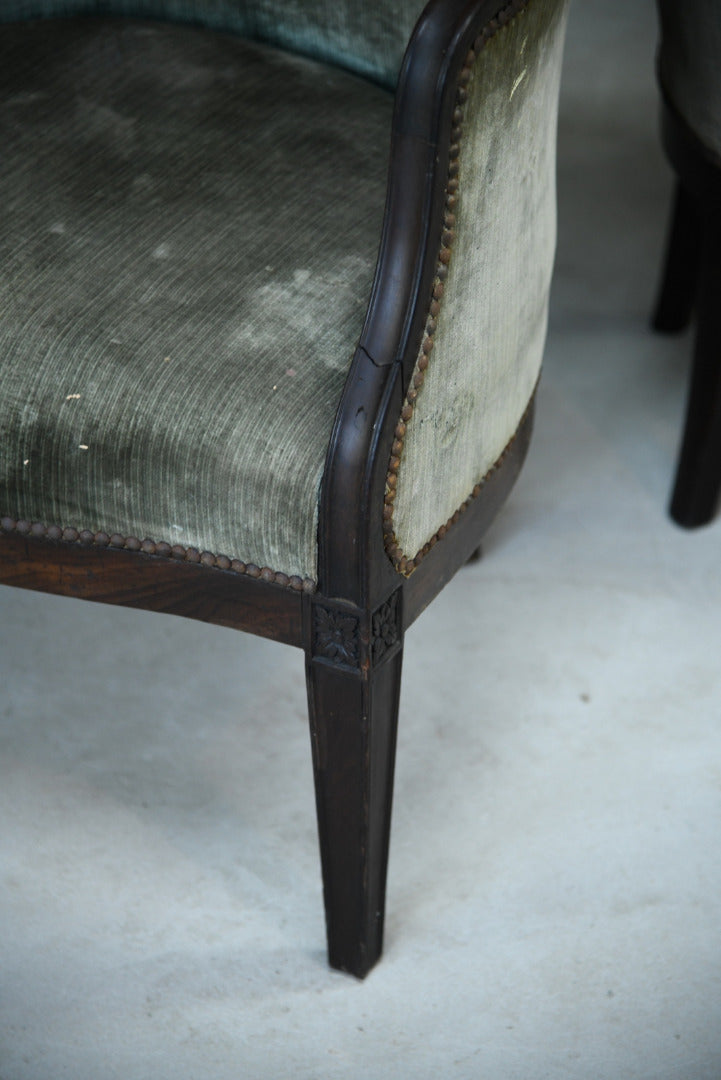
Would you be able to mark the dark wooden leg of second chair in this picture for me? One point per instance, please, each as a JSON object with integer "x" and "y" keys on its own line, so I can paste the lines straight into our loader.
{"x": 677, "y": 292}
{"x": 698, "y": 477}
{"x": 353, "y": 718}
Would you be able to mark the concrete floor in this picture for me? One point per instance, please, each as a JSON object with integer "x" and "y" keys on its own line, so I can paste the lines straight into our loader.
{"x": 555, "y": 878}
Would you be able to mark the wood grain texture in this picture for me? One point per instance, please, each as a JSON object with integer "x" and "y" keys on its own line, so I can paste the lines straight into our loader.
{"x": 353, "y": 722}
{"x": 155, "y": 583}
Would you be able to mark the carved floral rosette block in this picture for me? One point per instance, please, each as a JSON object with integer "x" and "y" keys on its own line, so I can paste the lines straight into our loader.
{"x": 348, "y": 637}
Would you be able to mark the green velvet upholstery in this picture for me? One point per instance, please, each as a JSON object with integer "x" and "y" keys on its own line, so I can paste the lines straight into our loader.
{"x": 190, "y": 225}
{"x": 369, "y": 38}
{"x": 490, "y": 333}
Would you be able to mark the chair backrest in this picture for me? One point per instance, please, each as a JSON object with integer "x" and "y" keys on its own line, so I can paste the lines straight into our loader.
{"x": 369, "y": 38}
{"x": 690, "y": 64}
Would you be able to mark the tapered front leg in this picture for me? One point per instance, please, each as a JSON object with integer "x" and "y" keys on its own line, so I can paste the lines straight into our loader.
{"x": 698, "y": 477}
{"x": 677, "y": 292}
{"x": 353, "y": 673}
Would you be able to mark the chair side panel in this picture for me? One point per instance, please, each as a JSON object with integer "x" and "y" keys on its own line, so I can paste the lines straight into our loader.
{"x": 481, "y": 354}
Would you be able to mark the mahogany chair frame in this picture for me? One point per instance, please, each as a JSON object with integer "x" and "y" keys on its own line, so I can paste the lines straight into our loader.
{"x": 691, "y": 287}
{"x": 351, "y": 624}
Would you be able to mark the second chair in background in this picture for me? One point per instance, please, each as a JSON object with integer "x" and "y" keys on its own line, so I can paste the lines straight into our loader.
{"x": 689, "y": 72}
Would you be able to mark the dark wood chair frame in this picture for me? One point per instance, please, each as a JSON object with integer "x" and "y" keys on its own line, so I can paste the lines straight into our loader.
{"x": 351, "y": 625}
{"x": 691, "y": 285}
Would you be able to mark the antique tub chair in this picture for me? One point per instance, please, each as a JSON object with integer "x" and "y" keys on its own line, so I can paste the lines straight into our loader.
{"x": 273, "y": 299}
{"x": 689, "y": 74}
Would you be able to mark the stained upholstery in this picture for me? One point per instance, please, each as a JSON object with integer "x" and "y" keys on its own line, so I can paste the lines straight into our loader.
{"x": 690, "y": 64}
{"x": 190, "y": 234}
{"x": 366, "y": 38}
{"x": 190, "y": 224}
{"x": 490, "y": 333}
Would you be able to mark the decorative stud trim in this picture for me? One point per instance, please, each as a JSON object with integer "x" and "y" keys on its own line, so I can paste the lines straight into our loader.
{"x": 400, "y": 560}
{"x": 87, "y": 538}
{"x": 405, "y": 565}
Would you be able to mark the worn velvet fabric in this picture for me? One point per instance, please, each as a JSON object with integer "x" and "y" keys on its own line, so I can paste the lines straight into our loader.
{"x": 368, "y": 38}
{"x": 690, "y": 64}
{"x": 189, "y": 232}
{"x": 492, "y": 323}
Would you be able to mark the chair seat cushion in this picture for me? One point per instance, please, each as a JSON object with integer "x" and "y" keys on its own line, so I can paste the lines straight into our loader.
{"x": 190, "y": 225}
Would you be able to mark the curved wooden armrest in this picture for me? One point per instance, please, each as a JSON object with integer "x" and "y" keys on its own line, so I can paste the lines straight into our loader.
{"x": 423, "y": 126}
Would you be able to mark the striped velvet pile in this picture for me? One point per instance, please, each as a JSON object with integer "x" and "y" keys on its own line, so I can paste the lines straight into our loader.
{"x": 369, "y": 38}
{"x": 490, "y": 334}
{"x": 190, "y": 225}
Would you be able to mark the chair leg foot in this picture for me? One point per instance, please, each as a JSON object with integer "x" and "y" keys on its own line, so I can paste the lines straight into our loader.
{"x": 698, "y": 477}
{"x": 353, "y": 721}
{"x": 677, "y": 292}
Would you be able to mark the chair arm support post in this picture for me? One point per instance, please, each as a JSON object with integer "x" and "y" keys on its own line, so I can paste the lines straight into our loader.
{"x": 351, "y": 501}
